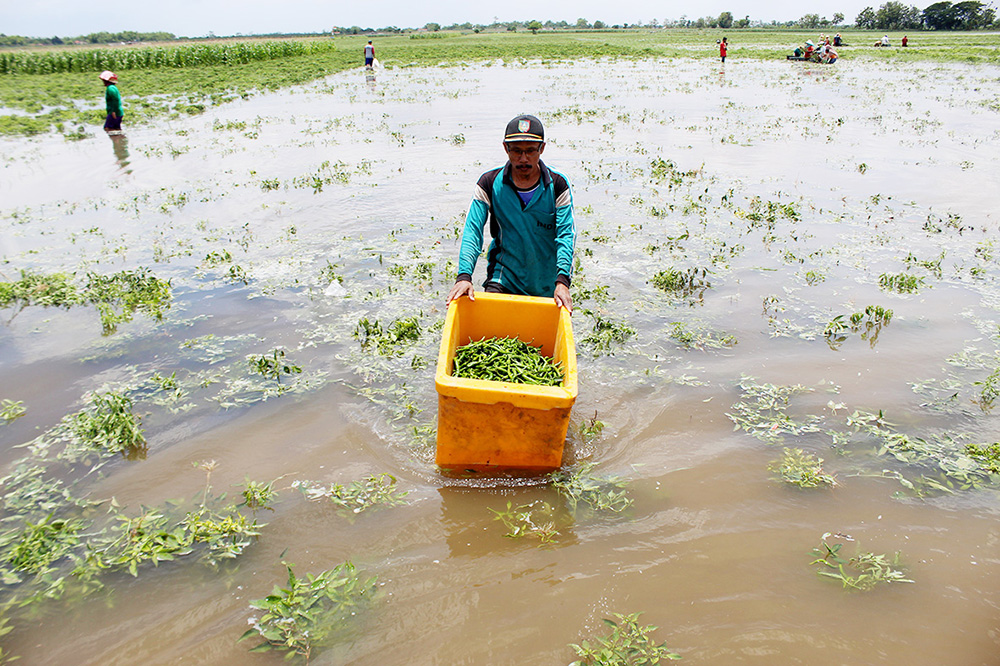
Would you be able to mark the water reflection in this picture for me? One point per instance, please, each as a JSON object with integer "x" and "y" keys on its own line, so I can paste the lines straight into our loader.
{"x": 473, "y": 516}
{"x": 370, "y": 79}
{"x": 120, "y": 145}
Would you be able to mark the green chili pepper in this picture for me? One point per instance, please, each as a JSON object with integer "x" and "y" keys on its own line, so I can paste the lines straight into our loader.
{"x": 506, "y": 360}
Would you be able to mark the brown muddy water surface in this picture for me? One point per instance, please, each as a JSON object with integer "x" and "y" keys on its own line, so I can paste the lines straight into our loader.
{"x": 795, "y": 187}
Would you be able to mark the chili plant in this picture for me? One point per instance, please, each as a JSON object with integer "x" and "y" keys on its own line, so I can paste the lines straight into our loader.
{"x": 591, "y": 428}
{"x": 310, "y": 611}
{"x": 863, "y": 572}
{"x": 521, "y": 521}
{"x": 148, "y": 537}
{"x": 689, "y": 284}
{"x": 54, "y": 289}
{"x": 954, "y": 466}
{"x": 761, "y": 411}
{"x": 258, "y": 495}
{"x": 606, "y": 334}
{"x": 989, "y": 390}
{"x": 390, "y": 341}
{"x": 628, "y": 644}
{"x": 801, "y": 469}
{"x": 10, "y": 410}
{"x": 869, "y": 322}
{"x": 700, "y": 339}
{"x": 272, "y": 365}
{"x": 109, "y": 424}
{"x": 357, "y": 496}
{"x": 38, "y": 545}
{"x": 582, "y": 485}
{"x": 120, "y": 295}
{"x": 987, "y": 455}
{"x": 903, "y": 283}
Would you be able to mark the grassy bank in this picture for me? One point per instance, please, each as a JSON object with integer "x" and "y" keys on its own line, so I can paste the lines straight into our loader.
{"x": 184, "y": 83}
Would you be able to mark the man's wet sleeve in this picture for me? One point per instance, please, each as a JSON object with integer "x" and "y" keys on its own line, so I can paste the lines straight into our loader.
{"x": 472, "y": 235}
{"x": 565, "y": 232}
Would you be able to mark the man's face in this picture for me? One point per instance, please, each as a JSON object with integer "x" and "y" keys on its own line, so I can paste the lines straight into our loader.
{"x": 524, "y": 156}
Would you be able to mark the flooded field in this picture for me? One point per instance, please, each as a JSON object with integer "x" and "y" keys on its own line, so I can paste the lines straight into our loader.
{"x": 771, "y": 257}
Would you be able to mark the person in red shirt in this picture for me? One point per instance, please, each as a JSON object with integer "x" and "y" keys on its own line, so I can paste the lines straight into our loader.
{"x": 723, "y": 47}
{"x": 905, "y": 40}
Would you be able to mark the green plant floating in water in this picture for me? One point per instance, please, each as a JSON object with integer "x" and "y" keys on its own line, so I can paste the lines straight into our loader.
{"x": 591, "y": 428}
{"x": 987, "y": 455}
{"x": 10, "y": 410}
{"x": 357, "y": 496}
{"x": 391, "y": 341}
{"x": 225, "y": 534}
{"x": 272, "y": 365}
{"x": 39, "y": 545}
{"x": 607, "y": 333}
{"x": 310, "y": 612}
{"x": 506, "y": 360}
{"x": 628, "y": 644}
{"x": 864, "y": 571}
{"x": 953, "y": 466}
{"x": 801, "y": 469}
{"x": 582, "y": 485}
{"x": 761, "y": 411}
{"x": 54, "y": 289}
{"x": 869, "y": 322}
{"x": 153, "y": 537}
{"x": 989, "y": 390}
{"x": 257, "y": 495}
{"x": 903, "y": 283}
{"x": 109, "y": 425}
{"x": 690, "y": 283}
{"x": 120, "y": 295}
{"x": 694, "y": 338}
{"x": 117, "y": 297}
{"x": 148, "y": 537}
{"x": 521, "y": 521}
{"x": 5, "y": 628}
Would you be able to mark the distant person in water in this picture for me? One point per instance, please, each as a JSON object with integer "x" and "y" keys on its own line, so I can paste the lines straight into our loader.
{"x": 905, "y": 40}
{"x": 723, "y": 48}
{"x": 113, "y": 102}
{"x": 369, "y": 54}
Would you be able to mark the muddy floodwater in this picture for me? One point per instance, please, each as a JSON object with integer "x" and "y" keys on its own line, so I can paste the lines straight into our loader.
{"x": 837, "y": 236}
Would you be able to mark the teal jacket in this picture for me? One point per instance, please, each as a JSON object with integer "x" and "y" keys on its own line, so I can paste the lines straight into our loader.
{"x": 532, "y": 245}
{"x": 113, "y": 100}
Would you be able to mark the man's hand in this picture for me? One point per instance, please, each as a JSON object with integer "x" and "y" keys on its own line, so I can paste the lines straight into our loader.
{"x": 462, "y": 288}
{"x": 563, "y": 298}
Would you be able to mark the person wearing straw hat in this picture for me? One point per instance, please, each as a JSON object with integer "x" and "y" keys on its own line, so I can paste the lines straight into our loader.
{"x": 530, "y": 210}
{"x": 113, "y": 102}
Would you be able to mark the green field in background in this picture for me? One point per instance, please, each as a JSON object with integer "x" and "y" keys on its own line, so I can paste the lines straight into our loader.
{"x": 66, "y": 101}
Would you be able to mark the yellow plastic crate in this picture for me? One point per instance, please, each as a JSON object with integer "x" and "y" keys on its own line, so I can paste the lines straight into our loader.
{"x": 486, "y": 426}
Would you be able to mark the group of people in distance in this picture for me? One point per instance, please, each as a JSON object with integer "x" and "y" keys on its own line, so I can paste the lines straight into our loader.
{"x": 885, "y": 41}
{"x": 823, "y": 53}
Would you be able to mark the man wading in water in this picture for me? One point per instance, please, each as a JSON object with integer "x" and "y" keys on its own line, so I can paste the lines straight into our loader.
{"x": 530, "y": 210}
{"x": 369, "y": 54}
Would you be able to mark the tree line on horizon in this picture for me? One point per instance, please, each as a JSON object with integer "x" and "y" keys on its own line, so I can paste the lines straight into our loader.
{"x": 124, "y": 37}
{"x": 965, "y": 15}
{"x": 892, "y": 15}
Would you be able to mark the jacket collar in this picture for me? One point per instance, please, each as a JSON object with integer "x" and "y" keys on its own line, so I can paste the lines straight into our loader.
{"x": 546, "y": 176}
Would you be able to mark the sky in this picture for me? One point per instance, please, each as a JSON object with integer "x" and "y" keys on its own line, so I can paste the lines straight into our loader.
{"x": 199, "y": 18}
